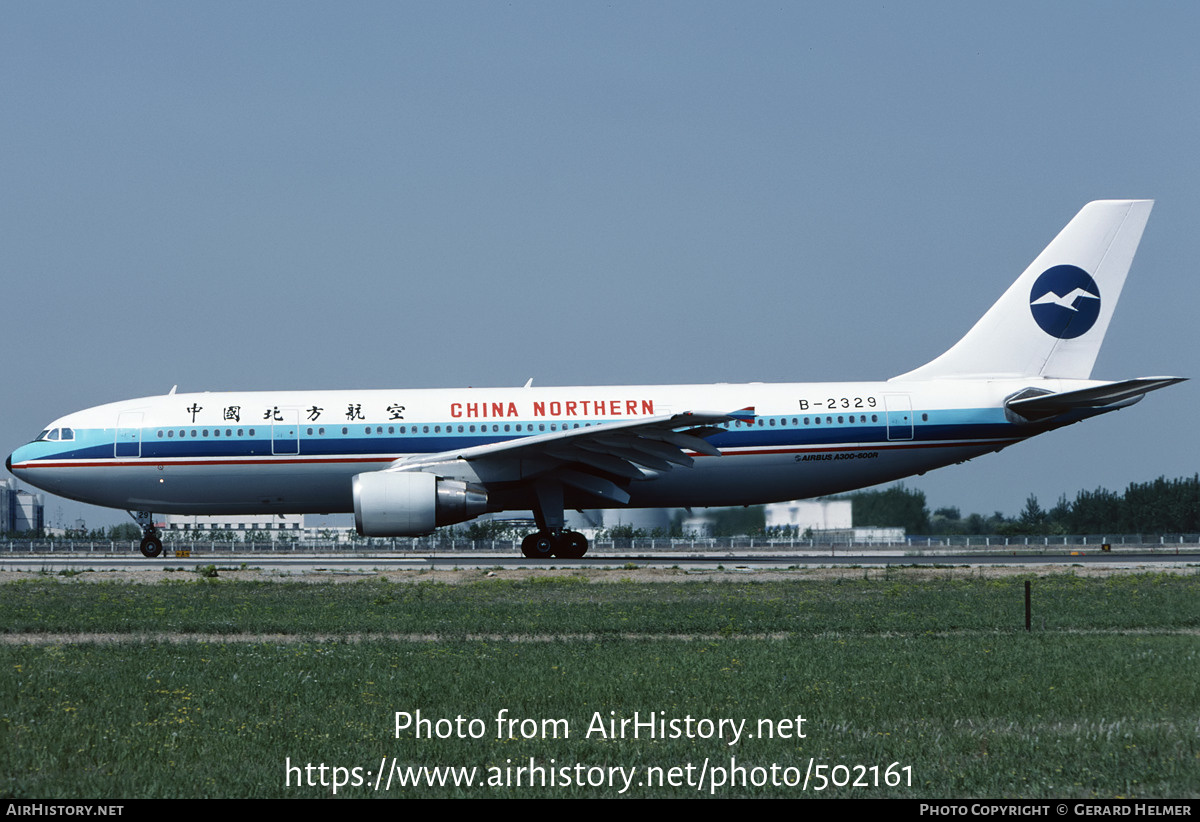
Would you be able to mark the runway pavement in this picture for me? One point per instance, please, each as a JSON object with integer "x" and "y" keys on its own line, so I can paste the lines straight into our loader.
{"x": 363, "y": 562}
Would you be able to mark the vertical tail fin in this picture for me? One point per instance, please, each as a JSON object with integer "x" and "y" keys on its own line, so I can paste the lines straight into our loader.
{"x": 1051, "y": 321}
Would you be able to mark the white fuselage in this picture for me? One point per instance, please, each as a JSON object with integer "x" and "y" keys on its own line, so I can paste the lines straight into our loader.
{"x": 296, "y": 452}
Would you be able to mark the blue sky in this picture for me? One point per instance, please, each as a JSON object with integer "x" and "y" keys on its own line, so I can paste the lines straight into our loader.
{"x": 288, "y": 195}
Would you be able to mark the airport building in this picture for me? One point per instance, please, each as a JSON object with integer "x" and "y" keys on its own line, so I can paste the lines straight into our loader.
{"x": 20, "y": 511}
{"x": 810, "y": 515}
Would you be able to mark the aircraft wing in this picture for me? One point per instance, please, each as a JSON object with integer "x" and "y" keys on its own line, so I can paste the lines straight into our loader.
{"x": 597, "y": 459}
{"x": 1126, "y": 392}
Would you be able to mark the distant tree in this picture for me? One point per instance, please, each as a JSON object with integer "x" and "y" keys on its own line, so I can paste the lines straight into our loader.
{"x": 890, "y": 508}
{"x": 739, "y": 522}
{"x": 1032, "y": 517}
{"x": 125, "y": 532}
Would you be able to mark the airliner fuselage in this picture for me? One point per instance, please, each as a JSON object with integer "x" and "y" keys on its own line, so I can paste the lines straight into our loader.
{"x": 267, "y": 452}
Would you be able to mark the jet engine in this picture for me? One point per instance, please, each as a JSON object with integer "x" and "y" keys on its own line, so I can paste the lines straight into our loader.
{"x": 412, "y": 503}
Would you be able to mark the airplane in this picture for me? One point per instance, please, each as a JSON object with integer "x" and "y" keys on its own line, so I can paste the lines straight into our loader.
{"x": 408, "y": 461}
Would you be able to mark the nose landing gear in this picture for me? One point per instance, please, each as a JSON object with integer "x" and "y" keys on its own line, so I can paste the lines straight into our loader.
{"x": 151, "y": 537}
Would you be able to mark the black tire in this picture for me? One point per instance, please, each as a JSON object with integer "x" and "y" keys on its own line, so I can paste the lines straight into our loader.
{"x": 539, "y": 545}
{"x": 151, "y": 547}
{"x": 572, "y": 545}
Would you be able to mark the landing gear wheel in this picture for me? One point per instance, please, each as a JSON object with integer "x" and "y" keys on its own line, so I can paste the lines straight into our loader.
{"x": 151, "y": 546}
{"x": 539, "y": 545}
{"x": 571, "y": 545}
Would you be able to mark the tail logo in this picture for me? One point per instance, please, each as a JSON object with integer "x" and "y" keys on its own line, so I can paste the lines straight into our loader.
{"x": 1065, "y": 302}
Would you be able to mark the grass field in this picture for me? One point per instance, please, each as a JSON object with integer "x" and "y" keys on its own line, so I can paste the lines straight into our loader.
{"x": 908, "y": 686}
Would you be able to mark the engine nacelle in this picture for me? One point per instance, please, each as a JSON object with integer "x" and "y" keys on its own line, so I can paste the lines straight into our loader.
{"x": 412, "y": 503}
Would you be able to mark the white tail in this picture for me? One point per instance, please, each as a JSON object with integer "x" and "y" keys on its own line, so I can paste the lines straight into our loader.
{"x": 1051, "y": 321}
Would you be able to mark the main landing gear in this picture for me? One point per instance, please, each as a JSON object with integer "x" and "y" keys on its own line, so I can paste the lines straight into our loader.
{"x": 554, "y": 542}
{"x": 151, "y": 536}
{"x": 552, "y": 538}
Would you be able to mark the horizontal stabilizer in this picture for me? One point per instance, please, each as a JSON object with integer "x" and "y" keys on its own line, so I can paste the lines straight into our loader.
{"x": 1125, "y": 392}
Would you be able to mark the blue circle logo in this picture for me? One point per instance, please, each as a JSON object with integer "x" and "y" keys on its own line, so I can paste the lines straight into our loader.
{"x": 1065, "y": 302}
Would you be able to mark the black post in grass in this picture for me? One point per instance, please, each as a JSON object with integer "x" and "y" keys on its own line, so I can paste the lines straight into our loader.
{"x": 1027, "y": 611}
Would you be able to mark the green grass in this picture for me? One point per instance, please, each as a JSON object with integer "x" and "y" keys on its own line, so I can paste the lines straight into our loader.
{"x": 937, "y": 675}
{"x": 571, "y": 605}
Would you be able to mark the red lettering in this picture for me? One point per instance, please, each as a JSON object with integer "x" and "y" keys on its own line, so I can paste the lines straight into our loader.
{"x": 614, "y": 407}
{"x": 539, "y": 409}
{"x": 647, "y": 406}
{"x": 497, "y": 409}
{"x": 556, "y": 409}
{"x": 472, "y": 409}
{"x": 456, "y": 409}
{"x": 631, "y": 407}
{"x": 571, "y": 408}
{"x": 512, "y": 410}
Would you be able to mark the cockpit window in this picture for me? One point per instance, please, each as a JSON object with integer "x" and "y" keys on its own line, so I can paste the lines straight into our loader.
{"x": 53, "y": 436}
{"x": 68, "y": 434}
{"x": 41, "y": 436}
